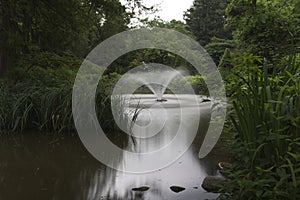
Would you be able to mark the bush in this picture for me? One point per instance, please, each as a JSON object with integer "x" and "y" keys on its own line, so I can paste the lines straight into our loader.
{"x": 34, "y": 96}
{"x": 266, "y": 118}
{"x": 196, "y": 81}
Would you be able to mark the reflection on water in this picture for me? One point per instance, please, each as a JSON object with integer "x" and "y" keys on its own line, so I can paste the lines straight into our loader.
{"x": 34, "y": 166}
{"x": 43, "y": 167}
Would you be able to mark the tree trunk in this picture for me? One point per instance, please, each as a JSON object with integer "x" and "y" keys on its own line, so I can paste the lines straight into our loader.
{"x": 3, "y": 61}
{"x": 4, "y": 46}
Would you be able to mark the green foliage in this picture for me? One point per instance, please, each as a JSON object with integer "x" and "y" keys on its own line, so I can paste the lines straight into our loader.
{"x": 225, "y": 61}
{"x": 266, "y": 28}
{"x": 206, "y": 19}
{"x": 138, "y": 57}
{"x": 50, "y": 60}
{"x": 56, "y": 26}
{"x": 216, "y": 48}
{"x": 198, "y": 84}
{"x": 38, "y": 96}
{"x": 107, "y": 83}
{"x": 44, "y": 69}
{"x": 173, "y": 24}
{"x": 138, "y": 12}
{"x": 179, "y": 84}
{"x": 6, "y": 106}
{"x": 266, "y": 118}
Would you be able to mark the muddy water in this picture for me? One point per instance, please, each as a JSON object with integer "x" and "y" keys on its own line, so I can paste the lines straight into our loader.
{"x": 36, "y": 166}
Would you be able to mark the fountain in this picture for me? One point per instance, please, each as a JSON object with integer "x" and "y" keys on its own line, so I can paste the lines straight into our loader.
{"x": 156, "y": 79}
{"x": 151, "y": 107}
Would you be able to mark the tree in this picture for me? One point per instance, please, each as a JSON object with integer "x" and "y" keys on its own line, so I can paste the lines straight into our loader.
{"x": 206, "y": 19}
{"x": 110, "y": 18}
{"x": 217, "y": 47}
{"x": 266, "y": 28}
{"x": 138, "y": 12}
{"x": 138, "y": 57}
{"x": 56, "y": 26}
{"x": 173, "y": 24}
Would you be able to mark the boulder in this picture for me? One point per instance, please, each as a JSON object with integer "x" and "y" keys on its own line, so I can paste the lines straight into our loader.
{"x": 213, "y": 183}
{"x": 177, "y": 189}
{"x": 140, "y": 189}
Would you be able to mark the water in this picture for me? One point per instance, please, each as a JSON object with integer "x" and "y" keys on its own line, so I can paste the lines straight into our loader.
{"x": 35, "y": 166}
{"x": 58, "y": 167}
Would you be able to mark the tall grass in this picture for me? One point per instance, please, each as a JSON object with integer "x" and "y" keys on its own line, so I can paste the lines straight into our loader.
{"x": 43, "y": 100}
{"x": 6, "y": 107}
{"x": 266, "y": 119}
{"x": 38, "y": 108}
{"x": 46, "y": 109}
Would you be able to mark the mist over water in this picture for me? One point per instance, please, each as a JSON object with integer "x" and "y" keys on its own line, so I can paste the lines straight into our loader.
{"x": 156, "y": 77}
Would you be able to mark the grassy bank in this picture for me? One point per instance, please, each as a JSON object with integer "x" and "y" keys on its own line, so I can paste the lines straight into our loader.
{"x": 37, "y": 94}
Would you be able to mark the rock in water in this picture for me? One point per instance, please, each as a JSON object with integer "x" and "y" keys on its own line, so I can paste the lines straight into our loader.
{"x": 177, "y": 189}
{"x": 140, "y": 189}
{"x": 213, "y": 183}
{"x": 205, "y": 100}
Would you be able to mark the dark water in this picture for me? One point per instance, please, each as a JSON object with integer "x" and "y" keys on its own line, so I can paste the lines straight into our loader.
{"x": 37, "y": 166}
{"x": 45, "y": 167}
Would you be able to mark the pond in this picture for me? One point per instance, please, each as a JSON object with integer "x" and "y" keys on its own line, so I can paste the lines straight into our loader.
{"x": 58, "y": 167}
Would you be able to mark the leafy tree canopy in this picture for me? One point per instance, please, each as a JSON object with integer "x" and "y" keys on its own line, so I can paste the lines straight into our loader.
{"x": 266, "y": 28}
{"x": 206, "y": 19}
{"x": 56, "y": 26}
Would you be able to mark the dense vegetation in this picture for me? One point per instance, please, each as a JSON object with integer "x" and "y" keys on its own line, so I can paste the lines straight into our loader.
{"x": 263, "y": 86}
{"x": 255, "y": 44}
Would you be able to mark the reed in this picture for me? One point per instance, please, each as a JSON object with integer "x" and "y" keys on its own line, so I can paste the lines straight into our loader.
{"x": 266, "y": 120}
{"x": 45, "y": 109}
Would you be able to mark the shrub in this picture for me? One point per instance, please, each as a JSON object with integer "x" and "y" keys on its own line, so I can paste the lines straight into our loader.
{"x": 266, "y": 118}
